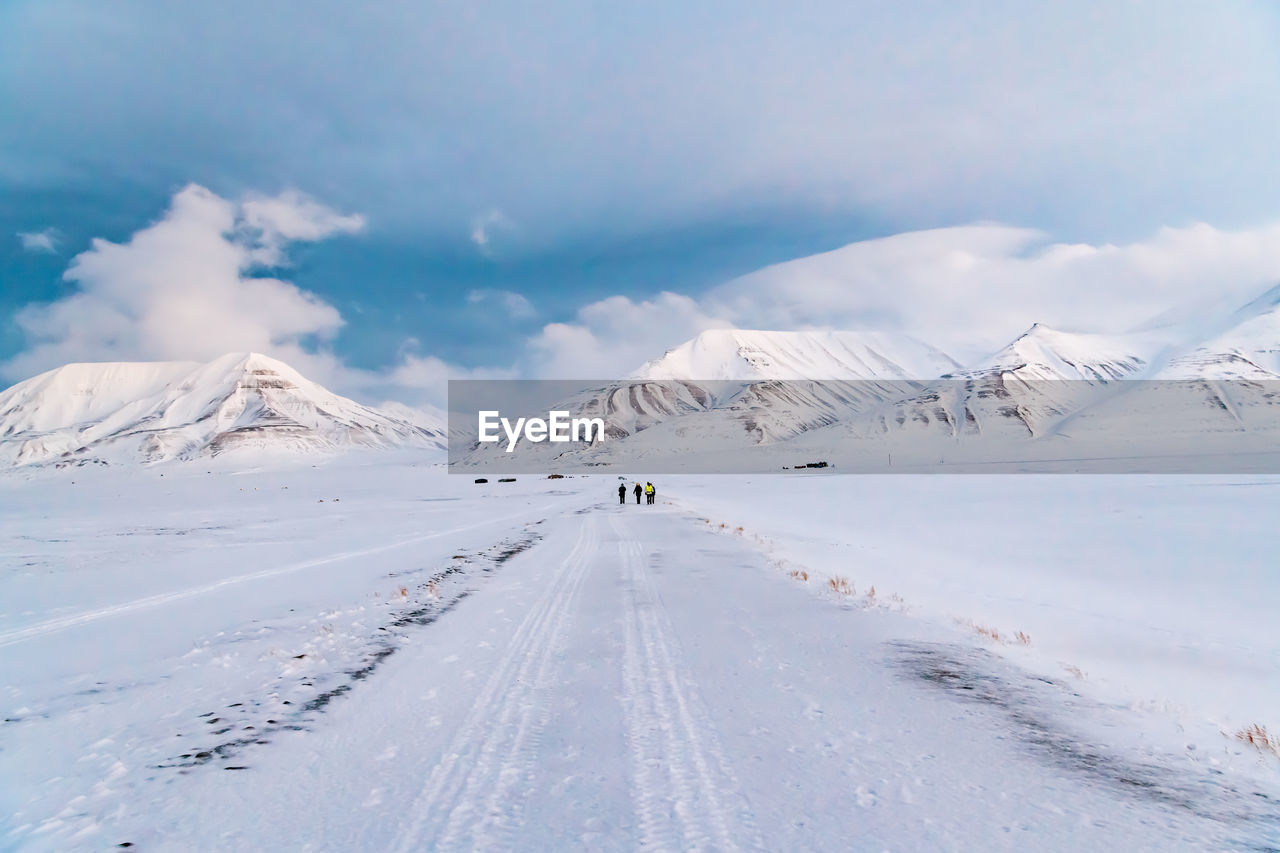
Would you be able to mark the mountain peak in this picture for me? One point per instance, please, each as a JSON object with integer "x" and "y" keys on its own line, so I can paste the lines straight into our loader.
{"x": 1045, "y": 353}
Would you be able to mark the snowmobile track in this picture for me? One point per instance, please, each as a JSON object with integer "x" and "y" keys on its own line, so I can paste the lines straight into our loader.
{"x": 685, "y": 794}
{"x": 473, "y": 798}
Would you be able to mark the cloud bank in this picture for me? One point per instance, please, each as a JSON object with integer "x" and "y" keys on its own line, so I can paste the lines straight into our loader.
{"x": 195, "y": 284}
{"x": 1083, "y": 116}
{"x": 969, "y": 290}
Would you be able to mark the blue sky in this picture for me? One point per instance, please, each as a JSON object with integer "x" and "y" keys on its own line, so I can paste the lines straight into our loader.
{"x": 574, "y": 153}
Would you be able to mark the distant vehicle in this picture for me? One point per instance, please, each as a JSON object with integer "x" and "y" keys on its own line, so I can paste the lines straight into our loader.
{"x": 481, "y": 480}
{"x": 506, "y": 479}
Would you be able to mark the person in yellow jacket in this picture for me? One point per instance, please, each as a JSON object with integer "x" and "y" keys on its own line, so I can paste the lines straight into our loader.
{"x": 649, "y": 492}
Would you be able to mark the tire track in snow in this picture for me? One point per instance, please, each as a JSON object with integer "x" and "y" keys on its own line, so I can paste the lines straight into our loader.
{"x": 668, "y": 727}
{"x": 492, "y": 756}
{"x": 51, "y": 626}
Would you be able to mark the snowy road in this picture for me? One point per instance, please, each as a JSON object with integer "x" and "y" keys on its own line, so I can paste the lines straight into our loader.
{"x": 637, "y": 681}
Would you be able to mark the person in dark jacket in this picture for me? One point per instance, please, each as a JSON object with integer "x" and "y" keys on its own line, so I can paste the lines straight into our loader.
{"x": 639, "y": 490}
{"x": 622, "y": 493}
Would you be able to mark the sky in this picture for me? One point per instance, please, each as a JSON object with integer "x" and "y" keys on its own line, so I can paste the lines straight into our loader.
{"x": 389, "y": 194}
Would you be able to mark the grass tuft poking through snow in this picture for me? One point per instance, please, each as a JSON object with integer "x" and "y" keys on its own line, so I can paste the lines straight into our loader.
{"x": 840, "y": 585}
{"x": 1257, "y": 736}
{"x": 1075, "y": 670}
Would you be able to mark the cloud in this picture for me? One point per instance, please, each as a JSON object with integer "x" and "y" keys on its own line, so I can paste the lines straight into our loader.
{"x": 292, "y": 216}
{"x": 516, "y": 306}
{"x": 45, "y": 241}
{"x": 1068, "y": 114}
{"x": 485, "y": 225}
{"x": 968, "y": 289}
{"x": 614, "y": 336}
{"x": 191, "y": 286}
{"x": 979, "y": 286}
{"x": 183, "y": 288}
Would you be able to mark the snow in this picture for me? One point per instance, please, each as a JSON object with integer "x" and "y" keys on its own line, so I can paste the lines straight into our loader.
{"x": 1043, "y": 353}
{"x": 749, "y": 355}
{"x": 370, "y": 654}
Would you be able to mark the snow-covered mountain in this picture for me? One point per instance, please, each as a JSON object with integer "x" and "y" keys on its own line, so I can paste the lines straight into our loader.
{"x": 1027, "y": 388}
{"x": 1248, "y": 348}
{"x": 727, "y": 390}
{"x": 156, "y": 411}
{"x": 1042, "y": 353}
{"x": 752, "y": 355}
{"x": 732, "y": 387}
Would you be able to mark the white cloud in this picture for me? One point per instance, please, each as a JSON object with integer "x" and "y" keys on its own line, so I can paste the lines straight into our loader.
{"x": 185, "y": 288}
{"x": 291, "y": 216}
{"x": 516, "y": 305}
{"x": 969, "y": 290}
{"x": 181, "y": 288}
{"x": 979, "y": 286}
{"x": 484, "y": 226}
{"x": 45, "y": 241}
{"x": 614, "y": 336}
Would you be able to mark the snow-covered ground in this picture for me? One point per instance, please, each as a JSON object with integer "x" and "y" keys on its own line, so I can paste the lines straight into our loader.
{"x": 1160, "y": 591}
{"x": 373, "y": 655}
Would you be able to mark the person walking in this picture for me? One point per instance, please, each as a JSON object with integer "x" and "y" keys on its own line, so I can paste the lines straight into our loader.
{"x": 649, "y": 492}
{"x": 622, "y": 493}
{"x": 638, "y": 490}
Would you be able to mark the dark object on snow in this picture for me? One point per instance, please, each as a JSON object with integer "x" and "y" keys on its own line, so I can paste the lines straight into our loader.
{"x": 481, "y": 480}
{"x": 622, "y": 493}
{"x": 555, "y": 476}
{"x": 506, "y": 479}
{"x": 816, "y": 465}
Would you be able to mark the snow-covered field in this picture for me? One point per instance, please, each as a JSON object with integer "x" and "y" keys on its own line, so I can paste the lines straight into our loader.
{"x": 370, "y": 654}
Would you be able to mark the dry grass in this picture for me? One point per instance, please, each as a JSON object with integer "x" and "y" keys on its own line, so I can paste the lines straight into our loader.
{"x": 1258, "y": 737}
{"x": 871, "y": 595}
{"x": 404, "y": 592}
{"x": 989, "y": 633}
{"x": 799, "y": 574}
{"x": 1075, "y": 670}
{"x": 840, "y": 586}
{"x": 431, "y": 589}
{"x": 1020, "y": 637}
